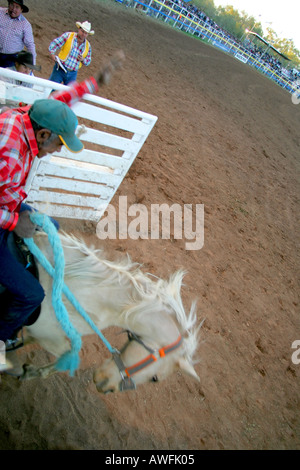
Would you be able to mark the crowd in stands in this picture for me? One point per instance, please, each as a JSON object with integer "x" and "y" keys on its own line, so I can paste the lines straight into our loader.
{"x": 209, "y": 26}
{"x": 260, "y": 53}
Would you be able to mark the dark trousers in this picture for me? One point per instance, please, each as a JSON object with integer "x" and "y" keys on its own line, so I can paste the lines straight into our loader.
{"x": 7, "y": 60}
{"x": 25, "y": 291}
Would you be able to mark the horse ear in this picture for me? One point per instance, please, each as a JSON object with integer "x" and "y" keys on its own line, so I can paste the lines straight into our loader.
{"x": 187, "y": 368}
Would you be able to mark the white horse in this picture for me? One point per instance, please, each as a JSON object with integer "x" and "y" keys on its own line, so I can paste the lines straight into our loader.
{"x": 162, "y": 338}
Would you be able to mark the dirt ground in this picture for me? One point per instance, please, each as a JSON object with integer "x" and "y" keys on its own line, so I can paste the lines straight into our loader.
{"x": 228, "y": 138}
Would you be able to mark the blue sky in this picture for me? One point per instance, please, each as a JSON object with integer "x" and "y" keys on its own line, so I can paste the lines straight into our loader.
{"x": 283, "y": 17}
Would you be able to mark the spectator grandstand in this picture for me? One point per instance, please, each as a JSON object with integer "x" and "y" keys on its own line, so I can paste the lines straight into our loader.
{"x": 188, "y": 18}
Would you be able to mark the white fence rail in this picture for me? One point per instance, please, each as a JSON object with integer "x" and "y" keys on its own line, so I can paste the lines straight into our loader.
{"x": 82, "y": 185}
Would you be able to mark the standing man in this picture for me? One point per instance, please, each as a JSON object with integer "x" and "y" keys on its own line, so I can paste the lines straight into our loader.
{"x": 15, "y": 33}
{"x": 75, "y": 50}
{"x": 27, "y": 133}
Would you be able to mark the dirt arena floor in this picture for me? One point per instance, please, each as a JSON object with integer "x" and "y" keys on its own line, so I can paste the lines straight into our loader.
{"x": 228, "y": 138}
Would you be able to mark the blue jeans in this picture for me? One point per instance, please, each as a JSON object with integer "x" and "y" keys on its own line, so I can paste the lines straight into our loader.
{"x": 26, "y": 293}
{"x": 59, "y": 76}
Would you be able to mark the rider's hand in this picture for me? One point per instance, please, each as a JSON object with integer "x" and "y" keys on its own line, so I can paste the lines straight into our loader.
{"x": 104, "y": 75}
{"x": 25, "y": 228}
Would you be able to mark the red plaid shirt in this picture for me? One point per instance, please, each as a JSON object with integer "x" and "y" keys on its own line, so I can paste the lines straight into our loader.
{"x": 18, "y": 148}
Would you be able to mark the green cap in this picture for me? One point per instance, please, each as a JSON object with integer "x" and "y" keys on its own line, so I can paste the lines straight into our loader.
{"x": 58, "y": 118}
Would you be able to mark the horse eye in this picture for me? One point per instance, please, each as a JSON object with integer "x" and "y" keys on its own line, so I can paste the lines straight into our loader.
{"x": 154, "y": 378}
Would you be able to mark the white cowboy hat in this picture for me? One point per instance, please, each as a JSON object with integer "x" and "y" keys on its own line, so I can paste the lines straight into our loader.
{"x": 86, "y": 26}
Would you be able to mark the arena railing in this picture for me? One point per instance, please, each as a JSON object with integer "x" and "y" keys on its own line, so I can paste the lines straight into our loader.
{"x": 179, "y": 17}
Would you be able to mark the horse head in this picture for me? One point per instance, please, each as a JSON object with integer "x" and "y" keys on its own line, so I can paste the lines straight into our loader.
{"x": 137, "y": 364}
{"x": 143, "y": 360}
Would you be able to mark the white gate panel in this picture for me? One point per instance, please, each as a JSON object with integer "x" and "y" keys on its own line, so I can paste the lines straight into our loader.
{"x": 81, "y": 185}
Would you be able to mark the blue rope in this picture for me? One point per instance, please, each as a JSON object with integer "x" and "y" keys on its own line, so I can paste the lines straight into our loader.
{"x": 69, "y": 360}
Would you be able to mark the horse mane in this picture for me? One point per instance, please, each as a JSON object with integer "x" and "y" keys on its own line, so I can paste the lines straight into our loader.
{"x": 149, "y": 292}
